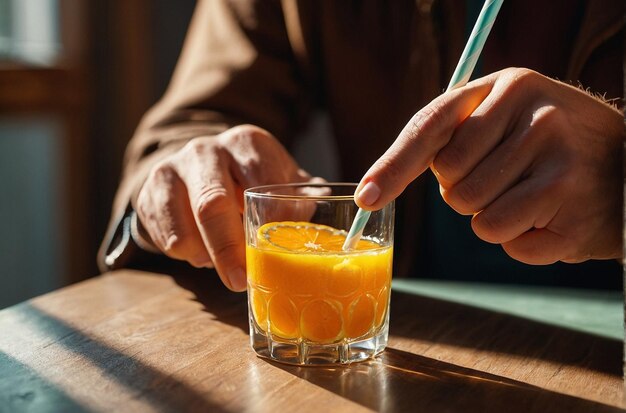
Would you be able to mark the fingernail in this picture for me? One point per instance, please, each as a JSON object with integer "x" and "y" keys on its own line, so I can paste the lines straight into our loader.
{"x": 369, "y": 194}
{"x": 237, "y": 278}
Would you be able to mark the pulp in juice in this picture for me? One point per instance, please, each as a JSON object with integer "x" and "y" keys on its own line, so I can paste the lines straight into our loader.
{"x": 303, "y": 287}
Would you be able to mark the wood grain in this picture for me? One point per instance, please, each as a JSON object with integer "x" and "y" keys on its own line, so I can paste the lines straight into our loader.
{"x": 139, "y": 341}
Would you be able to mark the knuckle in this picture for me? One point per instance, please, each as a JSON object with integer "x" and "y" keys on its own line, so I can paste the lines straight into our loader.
{"x": 253, "y": 165}
{"x": 520, "y": 81}
{"x": 522, "y": 76}
{"x": 449, "y": 161}
{"x": 163, "y": 172}
{"x": 173, "y": 244}
{"x": 488, "y": 226}
{"x": 431, "y": 114}
{"x": 231, "y": 137}
{"x": 255, "y": 132}
{"x": 213, "y": 200}
{"x": 145, "y": 214}
{"x": 546, "y": 124}
{"x": 179, "y": 245}
{"x": 524, "y": 255}
{"x": 158, "y": 191}
{"x": 245, "y": 131}
{"x": 389, "y": 170}
{"x": 248, "y": 128}
{"x": 465, "y": 197}
{"x": 528, "y": 253}
{"x": 195, "y": 148}
{"x": 225, "y": 249}
{"x": 547, "y": 118}
{"x": 145, "y": 207}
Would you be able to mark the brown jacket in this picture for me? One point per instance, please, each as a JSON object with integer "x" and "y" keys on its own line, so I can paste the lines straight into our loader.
{"x": 370, "y": 64}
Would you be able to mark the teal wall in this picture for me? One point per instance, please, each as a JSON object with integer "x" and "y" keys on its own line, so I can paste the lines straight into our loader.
{"x": 31, "y": 196}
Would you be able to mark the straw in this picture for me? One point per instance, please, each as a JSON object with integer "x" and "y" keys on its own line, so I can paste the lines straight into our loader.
{"x": 356, "y": 230}
{"x": 460, "y": 77}
{"x": 475, "y": 44}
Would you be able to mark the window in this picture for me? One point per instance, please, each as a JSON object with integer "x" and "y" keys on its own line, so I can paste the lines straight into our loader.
{"x": 43, "y": 148}
{"x": 29, "y": 31}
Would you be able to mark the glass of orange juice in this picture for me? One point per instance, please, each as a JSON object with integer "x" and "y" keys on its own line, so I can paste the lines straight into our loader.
{"x": 311, "y": 302}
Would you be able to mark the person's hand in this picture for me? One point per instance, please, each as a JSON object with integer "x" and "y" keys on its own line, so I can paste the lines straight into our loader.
{"x": 191, "y": 203}
{"x": 535, "y": 161}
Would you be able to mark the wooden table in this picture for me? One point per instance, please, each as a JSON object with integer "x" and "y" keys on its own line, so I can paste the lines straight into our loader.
{"x": 139, "y": 341}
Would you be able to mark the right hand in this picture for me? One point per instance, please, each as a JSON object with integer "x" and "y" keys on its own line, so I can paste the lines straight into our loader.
{"x": 536, "y": 162}
{"x": 191, "y": 203}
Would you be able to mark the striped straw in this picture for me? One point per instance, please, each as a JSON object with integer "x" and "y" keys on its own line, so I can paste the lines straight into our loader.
{"x": 461, "y": 76}
{"x": 475, "y": 44}
{"x": 356, "y": 230}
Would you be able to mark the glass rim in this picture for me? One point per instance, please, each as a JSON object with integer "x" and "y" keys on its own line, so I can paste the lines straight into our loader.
{"x": 256, "y": 191}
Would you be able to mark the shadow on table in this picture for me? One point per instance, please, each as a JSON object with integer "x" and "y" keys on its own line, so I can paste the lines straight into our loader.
{"x": 228, "y": 307}
{"x": 399, "y": 381}
{"x": 24, "y": 389}
{"x": 403, "y": 381}
{"x": 439, "y": 321}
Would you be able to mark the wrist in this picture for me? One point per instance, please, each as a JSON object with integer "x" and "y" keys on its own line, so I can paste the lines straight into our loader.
{"x": 140, "y": 236}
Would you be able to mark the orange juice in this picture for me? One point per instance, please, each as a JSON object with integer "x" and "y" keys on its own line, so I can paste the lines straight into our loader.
{"x": 303, "y": 287}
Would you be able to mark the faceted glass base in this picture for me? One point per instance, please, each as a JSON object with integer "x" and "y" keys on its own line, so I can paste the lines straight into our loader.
{"x": 301, "y": 352}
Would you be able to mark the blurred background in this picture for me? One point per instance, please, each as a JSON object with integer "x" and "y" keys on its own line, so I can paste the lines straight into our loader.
{"x": 75, "y": 77}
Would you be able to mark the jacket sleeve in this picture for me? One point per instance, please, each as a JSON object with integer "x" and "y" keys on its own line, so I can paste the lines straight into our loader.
{"x": 237, "y": 66}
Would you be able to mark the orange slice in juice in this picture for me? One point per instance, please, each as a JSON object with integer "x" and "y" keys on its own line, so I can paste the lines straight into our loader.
{"x": 360, "y": 316}
{"x": 321, "y": 321}
{"x": 259, "y": 308}
{"x": 305, "y": 237}
{"x": 302, "y": 237}
{"x": 382, "y": 306}
{"x": 283, "y": 316}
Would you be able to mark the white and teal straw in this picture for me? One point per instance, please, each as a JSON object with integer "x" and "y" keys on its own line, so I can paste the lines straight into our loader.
{"x": 475, "y": 44}
{"x": 356, "y": 230}
{"x": 460, "y": 77}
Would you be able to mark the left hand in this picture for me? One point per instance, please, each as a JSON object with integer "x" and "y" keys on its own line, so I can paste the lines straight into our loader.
{"x": 538, "y": 164}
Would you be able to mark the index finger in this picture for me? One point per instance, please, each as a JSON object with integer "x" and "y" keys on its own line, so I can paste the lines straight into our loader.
{"x": 428, "y": 131}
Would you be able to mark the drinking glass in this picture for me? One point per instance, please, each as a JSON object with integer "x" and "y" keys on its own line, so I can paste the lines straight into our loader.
{"x": 310, "y": 301}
